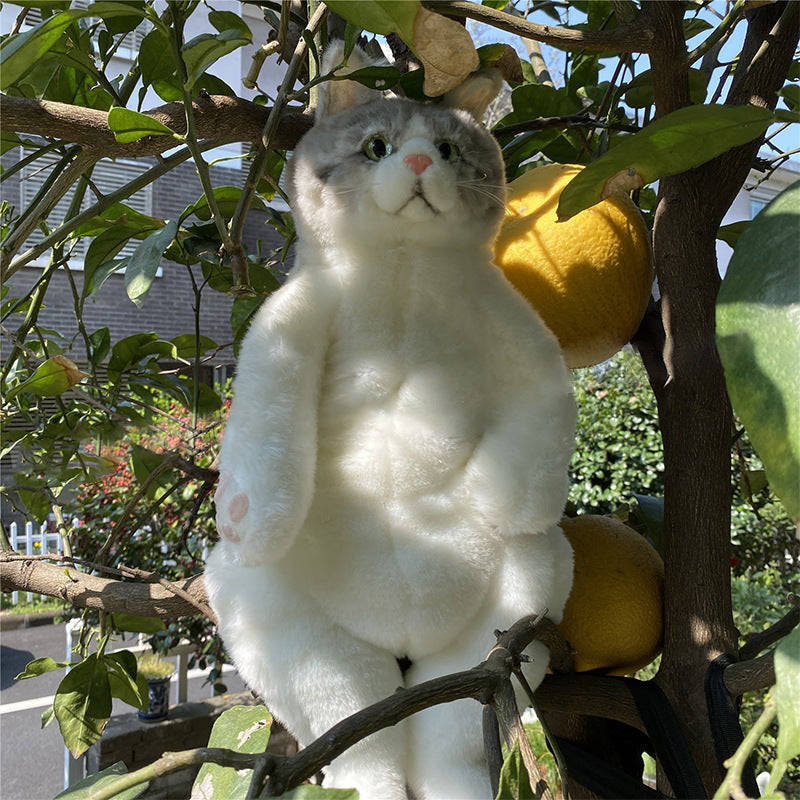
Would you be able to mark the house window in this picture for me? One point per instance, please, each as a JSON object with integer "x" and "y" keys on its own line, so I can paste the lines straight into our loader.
{"x": 107, "y": 176}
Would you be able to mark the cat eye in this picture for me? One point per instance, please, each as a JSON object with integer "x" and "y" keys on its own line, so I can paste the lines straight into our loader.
{"x": 448, "y": 151}
{"x": 377, "y": 147}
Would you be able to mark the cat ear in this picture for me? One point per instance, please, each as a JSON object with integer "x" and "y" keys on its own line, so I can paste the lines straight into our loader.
{"x": 336, "y": 96}
{"x": 476, "y": 92}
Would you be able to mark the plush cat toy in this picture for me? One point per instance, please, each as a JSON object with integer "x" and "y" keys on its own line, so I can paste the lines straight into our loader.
{"x": 396, "y": 457}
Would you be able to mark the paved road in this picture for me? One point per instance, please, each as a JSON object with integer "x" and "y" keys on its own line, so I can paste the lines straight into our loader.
{"x": 32, "y": 759}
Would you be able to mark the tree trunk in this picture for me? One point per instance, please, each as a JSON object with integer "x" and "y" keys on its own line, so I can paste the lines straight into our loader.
{"x": 694, "y": 411}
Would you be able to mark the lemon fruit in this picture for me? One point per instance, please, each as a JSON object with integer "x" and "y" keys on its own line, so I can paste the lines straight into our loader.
{"x": 588, "y": 277}
{"x": 614, "y": 616}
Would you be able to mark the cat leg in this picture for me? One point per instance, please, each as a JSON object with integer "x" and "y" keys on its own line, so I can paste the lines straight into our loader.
{"x": 447, "y": 758}
{"x": 310, "y": 672}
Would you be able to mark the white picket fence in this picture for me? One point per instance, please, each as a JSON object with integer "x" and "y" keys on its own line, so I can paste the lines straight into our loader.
{"x": 33, "y": 540}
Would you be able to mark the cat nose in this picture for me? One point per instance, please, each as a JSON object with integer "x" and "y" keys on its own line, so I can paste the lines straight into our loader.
{"x": 418, "y": 163}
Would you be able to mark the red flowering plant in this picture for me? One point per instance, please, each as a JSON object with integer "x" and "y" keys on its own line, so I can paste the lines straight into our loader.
{"x": 151, "y": 510}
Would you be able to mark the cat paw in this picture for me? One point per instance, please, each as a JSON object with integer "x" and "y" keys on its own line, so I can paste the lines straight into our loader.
{"x": 233, "y": 509}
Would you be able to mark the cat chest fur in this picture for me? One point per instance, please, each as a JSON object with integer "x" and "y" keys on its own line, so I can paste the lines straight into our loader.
{"x": 405, "y": 399}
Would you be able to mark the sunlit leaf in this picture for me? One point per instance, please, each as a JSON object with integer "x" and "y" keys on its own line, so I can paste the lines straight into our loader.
{"x": 40, "y": 666}
{"x": 672, "y": 144}
{"x": 82, "y": 704}
{"x": 188, "y": 345}
{"x": 52, "y": 378}
{"x": 228, "y": 20}
{"x": 158, "y": 66}
{"x": 22, "y": 52}
{"x": 86, "y": 787}
{"x": 380, "y": 16}
{"x": 130, "y": 126}
{"x": 243, "y": 729}
{"x": 758, "y": 336}
{"x": 787, "y": 695}
{"x": 124, "y": 681}
{"x": 202, "y": 51}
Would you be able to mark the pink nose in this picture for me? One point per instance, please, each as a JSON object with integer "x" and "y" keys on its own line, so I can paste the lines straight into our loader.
{"x": 418, "y": 163}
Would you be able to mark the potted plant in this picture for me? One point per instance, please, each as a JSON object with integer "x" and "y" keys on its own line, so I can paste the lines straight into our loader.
{"x": 157, "y": 673}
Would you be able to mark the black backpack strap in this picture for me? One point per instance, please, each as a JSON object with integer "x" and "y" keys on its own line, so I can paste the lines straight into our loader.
{"x": 665, "y": 733}
{"x": 602, "y": 778}
{"x": 724, "y": 715}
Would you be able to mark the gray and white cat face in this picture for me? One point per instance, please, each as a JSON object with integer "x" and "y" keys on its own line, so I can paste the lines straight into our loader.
{"x": 392, "y": 171}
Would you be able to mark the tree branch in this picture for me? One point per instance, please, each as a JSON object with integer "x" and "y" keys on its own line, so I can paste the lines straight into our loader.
{"x": 629, "y": 37}
{"x": 225, "y": 119}
{"x": 79, "y": 589}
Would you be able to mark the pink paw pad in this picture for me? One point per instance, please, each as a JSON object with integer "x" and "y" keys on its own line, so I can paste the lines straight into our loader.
{"x": 224, "y": 480}
{"x": 230, "y": 534}
{"x": 238, "y": 507}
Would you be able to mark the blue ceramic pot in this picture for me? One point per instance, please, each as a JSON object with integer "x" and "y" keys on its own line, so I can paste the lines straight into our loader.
{"x": 158, "y": 695}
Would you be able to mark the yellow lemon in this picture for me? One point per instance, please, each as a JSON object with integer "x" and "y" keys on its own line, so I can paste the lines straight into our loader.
{"x": 614, "y": 616}
{"x": 588, "y": 277}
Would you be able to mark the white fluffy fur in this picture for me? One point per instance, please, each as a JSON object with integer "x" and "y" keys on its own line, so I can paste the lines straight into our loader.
{"x": 394, "y": 469}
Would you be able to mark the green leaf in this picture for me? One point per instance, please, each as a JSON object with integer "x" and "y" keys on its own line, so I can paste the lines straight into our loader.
{"x": 242, "y": 312}
{"x": 145, "y": 462}
{"x": 758, "y": 337}
{"x": 730, "y": 233}
{"x": 124, "y": 681}
{"x": 515, "y": 783}
{"x": 130, "y": 126}
{"x": 86, "y": 787}
{"x": 143, "y": 264}
{"x": 244, "y": 729}
{"x": 310, "y": 792}
{"x": 787, "y": 695}
{"x": 676, "y": 142}
{"x": 202, "y": 51}
{"x": 52, "y": 378}
{"x": 129, "y": 352}
{"x": 228, "y": 20}
{"x": 39, "y": 666}
{"x": 22, "y": 52}
{"x": 227, "y": 198}
{"x": 639, "y": 92}
{"x": 99, "y": 256}
{"x": 380, "y": 16}
{"x": 119, "y": 215}
{"x": 99, "y": 345}
{"x": 188, "y": 345}
{"x": 82, "y": 704}
{"x": 158, "y": 66}
{"x": 133, "y": 624}
{"x": 120, "y": 17}
{"x": 48, "y": 715}
{"x": 374, "y": 77}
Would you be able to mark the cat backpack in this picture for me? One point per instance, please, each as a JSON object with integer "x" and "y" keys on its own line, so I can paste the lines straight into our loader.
{"x": 395, "y": 462}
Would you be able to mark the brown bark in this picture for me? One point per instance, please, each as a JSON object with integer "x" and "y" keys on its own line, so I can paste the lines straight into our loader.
{"x": 694, "y": 411}
{"x": 224, "y": 119}
{"x": 83, "y": 590}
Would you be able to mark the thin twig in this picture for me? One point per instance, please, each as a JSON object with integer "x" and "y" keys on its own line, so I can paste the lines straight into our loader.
{"x": 628, "y": 37}
{"x": 241, "y": 277}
